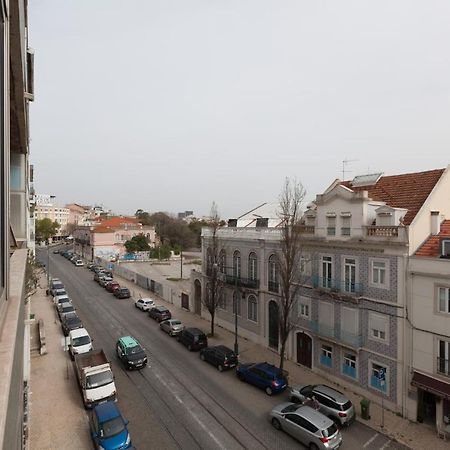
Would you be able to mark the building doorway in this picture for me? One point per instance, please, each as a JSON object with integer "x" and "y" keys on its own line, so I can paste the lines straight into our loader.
{"x": 304, "y": 349}
{"x": 273, "y": 325}
{"x": 426, "y": 408}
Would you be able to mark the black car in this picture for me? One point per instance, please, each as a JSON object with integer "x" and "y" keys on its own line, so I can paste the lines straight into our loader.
{"x": 220, "y": 356}
{"x": 159, "y": 313}
{"x": 122, "y": 293}
{"x": 193, "y": 339}
{"x": 130, "y": 352}
{"x": 70, "y": 322}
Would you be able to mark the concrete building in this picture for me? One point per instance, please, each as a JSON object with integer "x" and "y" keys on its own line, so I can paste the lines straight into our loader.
{"x": 78, "y": 214}
{"x": 55, "y": 214}
{"x": 107, "y": 238}
{"x": 16, "y": 66}
{"x": 357, "y": 239}
{"x": 428, "y": 326}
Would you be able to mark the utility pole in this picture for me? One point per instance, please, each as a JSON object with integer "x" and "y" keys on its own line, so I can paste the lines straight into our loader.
{"x": 181, "y": 263}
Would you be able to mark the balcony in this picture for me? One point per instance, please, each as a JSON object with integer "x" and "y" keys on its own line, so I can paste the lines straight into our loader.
{"x": 376, "y": 383}
{"x": 349, "y": 370}
{"x": 306, "y": 229}
{"x": 323, "y": 330}
{"x": 241, "y": 282}
{"x": 354, "y": 340}
{"x": 337, "y": 285}
{"x": 443, "y": 367}
{"x": 326, "y": 361}
{"x": 339, "y": 336}
{"x": 391, "y": 233}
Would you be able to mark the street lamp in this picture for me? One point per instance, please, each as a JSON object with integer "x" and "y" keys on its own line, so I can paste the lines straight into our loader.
{"x": 48, "y": 263}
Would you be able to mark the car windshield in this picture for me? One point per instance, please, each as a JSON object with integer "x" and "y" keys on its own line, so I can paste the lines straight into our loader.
{"x": 67, "y": 309}
{"x": 112, "y": 427}
{"x": 176, "y": 322}
{"x": 82, "y": 340}
{"x": 346, "y": 406}
{"x": 290, "y": 408}
{"x": 99, "y": 379}
{"x": 134, "y": 350}
{"x": 329, "y": 431}
{"x": 71, "y": 317}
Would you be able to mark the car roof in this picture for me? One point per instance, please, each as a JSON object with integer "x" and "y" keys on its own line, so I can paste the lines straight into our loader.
{"x": 107, "y": 411}
{"x": 339, "y": 397}
{"x": 79, "y": 332}
{"x": 194, "y": 330}
{"x": 269, "y": 368}
{"x": 223, "y": 348}
{"x": 161, "y": 308}
{"x": 314, "y": 416}
{"x": 129, "y": 341}
{"x": 146, "y": 300}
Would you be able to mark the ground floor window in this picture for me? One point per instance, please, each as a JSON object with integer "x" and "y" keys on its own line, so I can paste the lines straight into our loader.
{"x": 326, "y": 355}
{"x": 376, "y": 378}
{"x": 252, "y": 307}
{"x": 349, "y": 365}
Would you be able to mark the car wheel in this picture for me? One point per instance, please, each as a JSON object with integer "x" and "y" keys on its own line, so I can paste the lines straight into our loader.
{"x": 269, "y": 390}
{"x": 241, "y": 377}
{"x": 220, "y": 368}
{"x": 313, "y": 446}
{"x": 276, "y": 424}
{"x": 202, "y": 356}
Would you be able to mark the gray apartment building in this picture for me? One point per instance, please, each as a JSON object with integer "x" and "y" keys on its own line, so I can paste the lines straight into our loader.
{"x": 350, "y": 312}
{"x": 16, "y": 90}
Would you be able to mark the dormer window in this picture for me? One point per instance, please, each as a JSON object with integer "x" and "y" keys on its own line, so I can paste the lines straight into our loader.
{"x": 346, "y": 218}
{"x": 445, "y": 248}
{"x": 331, "y": 224}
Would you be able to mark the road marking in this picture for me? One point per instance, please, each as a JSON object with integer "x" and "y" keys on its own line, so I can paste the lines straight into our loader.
{"x": 370, "y": 440}
{"x": 385, "y": 445}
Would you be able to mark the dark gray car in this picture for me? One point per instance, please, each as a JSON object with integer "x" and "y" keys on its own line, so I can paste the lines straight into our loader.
{"x": 307, "y": 425}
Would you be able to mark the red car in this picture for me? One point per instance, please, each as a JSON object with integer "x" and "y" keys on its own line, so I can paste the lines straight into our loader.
{"x": 112, "y": 286}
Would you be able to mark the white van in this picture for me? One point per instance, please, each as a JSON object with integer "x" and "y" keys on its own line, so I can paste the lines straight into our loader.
{"x": 79, "y": 342}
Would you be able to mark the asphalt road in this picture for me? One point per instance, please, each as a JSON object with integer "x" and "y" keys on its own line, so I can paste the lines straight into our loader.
{"x": 177, "y": 401}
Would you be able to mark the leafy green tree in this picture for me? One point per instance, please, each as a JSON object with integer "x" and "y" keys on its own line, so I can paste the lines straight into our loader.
{"x": 161, "y": 252}
{"x": 137, "y": 243}
{"x": 45, "y": 229}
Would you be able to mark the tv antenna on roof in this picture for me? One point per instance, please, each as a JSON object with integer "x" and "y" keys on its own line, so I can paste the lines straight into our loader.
{"x": 344, "y": 164}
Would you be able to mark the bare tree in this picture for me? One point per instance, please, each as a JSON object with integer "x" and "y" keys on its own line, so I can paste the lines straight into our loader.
{"x": 214, "y": 285}
{"x": 290, "y": 213}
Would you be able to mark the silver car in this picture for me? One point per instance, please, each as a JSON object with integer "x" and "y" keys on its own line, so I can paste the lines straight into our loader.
{"x": 172, "y": 326}
{"x": 307, "y": 425}
{"x": 144, "y": 304}
{"x": 332, "y": 403}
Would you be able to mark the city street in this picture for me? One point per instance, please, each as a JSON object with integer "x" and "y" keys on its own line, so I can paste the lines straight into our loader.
{"x": 177, "y": 401}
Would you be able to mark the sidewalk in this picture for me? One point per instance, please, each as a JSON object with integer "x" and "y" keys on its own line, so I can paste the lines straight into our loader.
{"x": 414, "y": 435}
{"x": 57, "y": 417}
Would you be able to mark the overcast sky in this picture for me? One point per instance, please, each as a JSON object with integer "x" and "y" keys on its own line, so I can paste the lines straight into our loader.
{"x": 171, "y": 104}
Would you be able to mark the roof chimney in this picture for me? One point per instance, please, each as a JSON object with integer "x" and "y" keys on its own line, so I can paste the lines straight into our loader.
{"x": 435, "y": 222}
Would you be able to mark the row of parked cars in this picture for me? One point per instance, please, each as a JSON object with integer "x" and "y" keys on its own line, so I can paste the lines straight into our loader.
{"x": 104, "y": 278}
{"x": 109, "y": 429}
{"x": 313, "y": 414}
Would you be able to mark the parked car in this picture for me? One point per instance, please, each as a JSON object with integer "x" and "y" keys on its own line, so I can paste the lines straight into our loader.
{"x": 307, "y": 425}
{"x": 79, "y": 263}
{"x": 98, "y": 275}
{"x": 89, "y": 265}
{"x": 144, "y": 304}
{"x": 79, "y": 342}
{"x": 109, "y": 429}
{"x": 131, "y": 353}
{"x": 263, "y": 375}
{"x": 220, "y": 356}
{"x": 122, "y": 292}
{"x": 67, "y": 308}
{"x": 55, "y": 252}
{"x": 112, "y": 286}
{"x": 61, "y": 291}
{"x": 159, "y": 313}
{"x": 55, "y": 284}
{"x": 73, "y": 258}
{"x": 193, "y": 339}
{"x": 104, "y": 281}
{"x": 70, "y": 322}
{"x": 108, "y": 273}
{"x": 61, "y": 299}
{"x": 172, "y": 326}
{"x": 97, "y": 269}
{"x": 333, "y": 404}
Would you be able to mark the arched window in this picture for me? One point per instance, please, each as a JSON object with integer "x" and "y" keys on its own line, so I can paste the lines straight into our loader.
{"x": 236, "y": 303}
{"x": 222, "y": 261}
{"x": 237, "y": 264}
{"x": 273, "y": 274}
{"x": 223, "y": 300}
{"x": 252, "y": 266}
{"x": 252, "y": 308}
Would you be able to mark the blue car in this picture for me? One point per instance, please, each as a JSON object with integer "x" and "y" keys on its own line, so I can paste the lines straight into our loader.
{"x": 108, "y": 428}
{"x": 263, "y": 375}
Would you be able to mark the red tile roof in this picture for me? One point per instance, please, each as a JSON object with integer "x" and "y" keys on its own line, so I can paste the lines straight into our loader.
{"x": 431, "y": 246}
{"x": 102, "y": 229}
{"x": 115, "y": 222}
{"x": 407, "y": 191}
